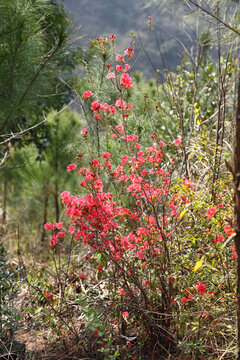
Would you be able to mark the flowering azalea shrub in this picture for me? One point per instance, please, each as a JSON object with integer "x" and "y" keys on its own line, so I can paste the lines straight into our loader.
{"x": 160, "y": 248}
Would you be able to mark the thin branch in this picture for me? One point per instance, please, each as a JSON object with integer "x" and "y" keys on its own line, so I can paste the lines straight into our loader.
{"x": 13, "y": 136}
{"x": 215, "y": 17}
{"x": 23, "y": 132}
{"x": 4, "y": 158}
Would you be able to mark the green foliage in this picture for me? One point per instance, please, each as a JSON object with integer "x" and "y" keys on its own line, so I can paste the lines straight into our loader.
{"x": 33, "y": 175}
{"x": 9, "y": 315}
{"x": 21, "y": 38}
{"x": 33, "y": 35}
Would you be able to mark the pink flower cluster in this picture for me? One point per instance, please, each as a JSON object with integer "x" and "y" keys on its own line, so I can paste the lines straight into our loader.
{"x": 54, "y": 226}
{"x": 201, "y": 289}
{"x": 55, "y": 238}
{"x": 96, "y": 219}
{"x": 71, "y": 167}
{"x": 218, "y": 238}
{"x": 96, "y": 107}
{"x": 87, "y": 94}
{"x": 210, "y": 212}
{"x": 126, "y": 81}
{"x": 122, "y": 105}
{"x": 121, "y": 68}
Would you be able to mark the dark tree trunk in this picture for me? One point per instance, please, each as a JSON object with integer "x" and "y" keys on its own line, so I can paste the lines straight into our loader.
{"x": 45, "y": 215}
{"x": 236, "y": 174}
{"x": 56, "y": 168}
{"x": 4, "y": 214}
{"x": 56, "y": 201}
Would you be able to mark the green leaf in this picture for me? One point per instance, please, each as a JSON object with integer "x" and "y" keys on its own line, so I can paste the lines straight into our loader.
{"x": 30, "y": 310}
{"x": 84, "y": 303}
{"x": 47, "y": 318}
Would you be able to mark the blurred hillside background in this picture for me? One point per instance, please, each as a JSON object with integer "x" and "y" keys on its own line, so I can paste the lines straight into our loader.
{"x": 171, "y": 35}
